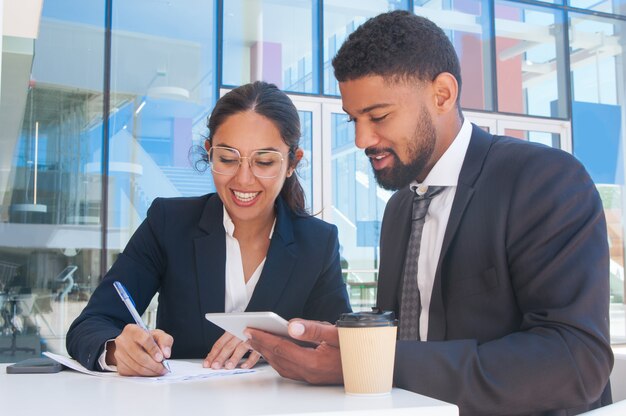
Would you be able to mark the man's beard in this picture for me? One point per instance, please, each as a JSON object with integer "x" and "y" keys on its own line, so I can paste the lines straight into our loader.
{"x": 419, "y": 149}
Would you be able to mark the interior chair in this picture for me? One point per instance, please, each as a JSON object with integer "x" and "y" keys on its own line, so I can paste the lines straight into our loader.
{"x": 29, "y": 307}
{"x": 66, "y": 278}
{"x": 41, "y": 302}
{"x": 9, "y": 309}
{"x": 10, "y": 313}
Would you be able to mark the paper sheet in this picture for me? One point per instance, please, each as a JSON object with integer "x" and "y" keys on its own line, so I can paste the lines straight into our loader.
{"x": 181, "y": 371}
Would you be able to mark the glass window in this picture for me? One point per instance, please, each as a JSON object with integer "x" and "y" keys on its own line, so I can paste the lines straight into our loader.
{"x": 606, "y": 6}
{"x": 358, "y": 204}
{"x": 162, "y": 90}
{"x": 271, "y": 40}
{"x": 305, "y": 167}
{"x": 543, "y": 137}
{"x": 340, "y": 19}
{"x": 530, "y": 60}
{"x": 467, "y": 25}
{"x": 598, "y": 108}
{"x": 51, "y": 118}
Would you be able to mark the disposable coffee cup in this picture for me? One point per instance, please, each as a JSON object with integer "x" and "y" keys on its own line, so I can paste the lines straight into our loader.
{"x": 367, "y": 341}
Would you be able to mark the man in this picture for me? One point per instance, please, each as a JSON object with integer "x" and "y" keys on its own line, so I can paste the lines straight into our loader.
{"x": 513, "y": 266}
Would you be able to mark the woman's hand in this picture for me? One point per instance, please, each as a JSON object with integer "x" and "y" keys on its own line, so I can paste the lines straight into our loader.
{"x": 227, "y": 351}
{"x": 136, "y": 352}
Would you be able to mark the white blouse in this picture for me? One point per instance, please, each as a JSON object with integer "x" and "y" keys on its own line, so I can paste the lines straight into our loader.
{"x": 238, "y": 291}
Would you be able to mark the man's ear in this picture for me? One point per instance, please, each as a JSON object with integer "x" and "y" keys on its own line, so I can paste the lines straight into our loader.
{"x": 207, "y": 145}
{"x": 446, "y": 89}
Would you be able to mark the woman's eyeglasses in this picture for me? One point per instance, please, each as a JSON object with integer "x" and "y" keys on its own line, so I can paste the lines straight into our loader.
{"x": 265, "y": 164}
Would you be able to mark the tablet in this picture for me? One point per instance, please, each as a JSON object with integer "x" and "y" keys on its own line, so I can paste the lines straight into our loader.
{"x": 236, "y": 322}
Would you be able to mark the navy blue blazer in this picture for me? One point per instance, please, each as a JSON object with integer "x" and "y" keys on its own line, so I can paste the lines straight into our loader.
{"x": 179, "y": 251}
{"x": 519, "y": 313}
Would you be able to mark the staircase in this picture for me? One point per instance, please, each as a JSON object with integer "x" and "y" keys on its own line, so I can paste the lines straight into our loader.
{"x": 188, "y": 181}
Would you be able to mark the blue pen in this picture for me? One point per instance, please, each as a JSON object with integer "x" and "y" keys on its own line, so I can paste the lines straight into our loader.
{"x": 130, "y": 305}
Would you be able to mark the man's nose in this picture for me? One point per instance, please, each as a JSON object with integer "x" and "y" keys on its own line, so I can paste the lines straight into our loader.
{"x": 364, "y": 136}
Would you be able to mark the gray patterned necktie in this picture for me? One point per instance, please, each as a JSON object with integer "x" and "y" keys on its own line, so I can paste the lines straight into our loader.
{"x": 410, "y": 304}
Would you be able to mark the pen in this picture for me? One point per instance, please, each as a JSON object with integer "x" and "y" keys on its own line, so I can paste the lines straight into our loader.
{"x": 130, "y": 305}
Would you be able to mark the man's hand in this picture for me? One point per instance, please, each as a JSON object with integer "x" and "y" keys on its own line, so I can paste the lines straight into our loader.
{"x": 138, "y": 353}
{"x": 226, "y": 353}
{"x": 319, "y": 365}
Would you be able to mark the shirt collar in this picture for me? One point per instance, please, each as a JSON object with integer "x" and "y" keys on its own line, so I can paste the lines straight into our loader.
{"x": 448, "y": 168}
{"x": 229, "y": 225}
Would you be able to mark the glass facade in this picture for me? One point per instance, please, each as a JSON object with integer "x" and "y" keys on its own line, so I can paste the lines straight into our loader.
{"x": 305, "y": 167}
{"x": 530, "y": 64}
{"x": 468, "y": 26}
{"x": 606, "y": 6}
{"x": 88, "y": 142}
{"x": 51, "y": 118}
{"x": 340, "y": 21}
{"x": 271, "y": 40}
{"x": 358, "y": 205}
{"x": 162, "y": 90}
{"x": 596, "y": 55}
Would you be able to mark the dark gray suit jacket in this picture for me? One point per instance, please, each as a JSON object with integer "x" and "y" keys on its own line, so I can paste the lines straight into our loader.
{"x": 180, "y": 252}
{"x": 519, "y": 316}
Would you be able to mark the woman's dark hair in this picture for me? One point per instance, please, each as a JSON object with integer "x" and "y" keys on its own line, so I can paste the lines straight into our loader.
{"x": 267, "y": 100}
{"x": 398, "y": 46}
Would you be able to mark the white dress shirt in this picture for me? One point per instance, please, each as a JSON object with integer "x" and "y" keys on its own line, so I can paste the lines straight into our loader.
{"x": 445, "y": 173}
{"x": 238, "y": 292}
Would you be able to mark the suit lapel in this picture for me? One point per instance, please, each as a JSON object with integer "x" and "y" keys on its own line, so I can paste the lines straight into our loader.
{"x": 477, "y": 151}
{"x": 210, "y": 253}
{"x": 279, "y": 263}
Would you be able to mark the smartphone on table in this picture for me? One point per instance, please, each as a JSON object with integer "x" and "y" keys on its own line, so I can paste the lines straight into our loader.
{"x": 40, "y": 365}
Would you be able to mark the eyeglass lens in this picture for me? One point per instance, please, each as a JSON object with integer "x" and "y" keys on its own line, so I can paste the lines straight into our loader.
{"x": 263, "y": 163}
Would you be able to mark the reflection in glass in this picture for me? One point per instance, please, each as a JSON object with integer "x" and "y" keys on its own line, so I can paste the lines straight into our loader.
{"x": 606, "y": 6}
{"x": 305, "y": 167}
{"x": 163, "y": 83}
{"x": 530, "y": 60}
{"x": 340, "y": 19}
{"x": 270, "y": 40}
{"x": 466, "y": 24}
{"x": 50, "y": 200}
{"x": 358, "y": 205}
{"x": 543, "y": 137}
{"x": 598, "y": 107}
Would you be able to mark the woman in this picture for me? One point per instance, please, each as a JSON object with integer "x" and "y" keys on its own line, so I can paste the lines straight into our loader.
{"x": 249, "y": 247}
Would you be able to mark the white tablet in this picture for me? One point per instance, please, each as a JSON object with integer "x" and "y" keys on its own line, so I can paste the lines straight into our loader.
{"x": 236, "y": 322}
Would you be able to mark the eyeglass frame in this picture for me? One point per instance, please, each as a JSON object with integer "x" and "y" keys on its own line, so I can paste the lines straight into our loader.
{"x": 232, "y": 149}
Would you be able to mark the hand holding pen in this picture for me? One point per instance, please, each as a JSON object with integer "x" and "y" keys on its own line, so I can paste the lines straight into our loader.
{"x": 138, "y": 351}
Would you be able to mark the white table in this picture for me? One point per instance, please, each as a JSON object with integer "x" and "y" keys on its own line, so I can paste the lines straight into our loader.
{"x": 264, "y": 392}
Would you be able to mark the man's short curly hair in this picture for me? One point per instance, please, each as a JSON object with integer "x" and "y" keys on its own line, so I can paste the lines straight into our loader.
{"x": 397, "y": 46}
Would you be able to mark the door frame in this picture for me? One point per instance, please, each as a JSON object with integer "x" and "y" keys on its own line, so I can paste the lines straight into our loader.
{"x": 498, "y": 123}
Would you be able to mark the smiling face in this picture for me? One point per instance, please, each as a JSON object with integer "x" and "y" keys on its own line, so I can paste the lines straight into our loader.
{"x": 393, "y": 124}
{"x": 246, "y": 197}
